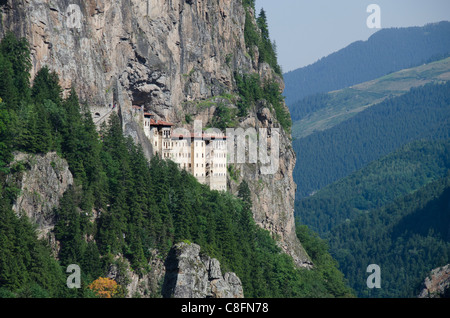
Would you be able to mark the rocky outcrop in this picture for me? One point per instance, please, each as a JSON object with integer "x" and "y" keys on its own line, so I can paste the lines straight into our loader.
{"x": 174, "y": 58}
{"x": 437, "y": 285}
{"x": 42, "y": 181}
{"x": 139, "y": 285}
{"x": 192, "y": 275}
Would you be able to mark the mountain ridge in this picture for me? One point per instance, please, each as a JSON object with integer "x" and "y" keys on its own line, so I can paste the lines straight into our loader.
{"x": 386, "y": 51}
{"x": 325, "y": 110}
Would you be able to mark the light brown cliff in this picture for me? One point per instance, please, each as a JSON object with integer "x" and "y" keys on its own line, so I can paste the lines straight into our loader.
{"x": 175, "y": 58}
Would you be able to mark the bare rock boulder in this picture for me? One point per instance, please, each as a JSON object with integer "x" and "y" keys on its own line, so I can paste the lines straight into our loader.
{"x": 192, "y": 275}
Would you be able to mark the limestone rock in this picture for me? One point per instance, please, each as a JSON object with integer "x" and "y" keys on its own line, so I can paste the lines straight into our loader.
{"x": 191, "y": 275}
{"x": 167, "y": 56}
{"x": 42, "y": 184}
{"x": 437, "y": 284}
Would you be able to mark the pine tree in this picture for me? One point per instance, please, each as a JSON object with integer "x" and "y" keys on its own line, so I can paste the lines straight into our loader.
{"x": 68, "y": 229}
{"x": 244, "y": 194}
{"x": 35, "y": 135}
{"x": 16, "y": 51}
{"x": 46, "y": 86}
{"x": 8, "y": 122}
{"x": 8, "y": 91}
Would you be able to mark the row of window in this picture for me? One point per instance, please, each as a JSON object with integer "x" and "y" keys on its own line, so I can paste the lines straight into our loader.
{"x": 167, "y": 144}
{"x": 214, "y": 174}
{"x": 181, "y": 155}
{"x": 217, "y": 165}
{"x": 197, "y": 155}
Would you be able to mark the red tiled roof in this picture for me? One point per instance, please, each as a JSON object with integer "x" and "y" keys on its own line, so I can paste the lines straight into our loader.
{"x": 164, "y": 123}
{"x": 160, "y": 123}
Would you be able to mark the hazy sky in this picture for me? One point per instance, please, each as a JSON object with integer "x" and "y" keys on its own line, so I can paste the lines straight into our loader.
{"x": 306, "y": 30}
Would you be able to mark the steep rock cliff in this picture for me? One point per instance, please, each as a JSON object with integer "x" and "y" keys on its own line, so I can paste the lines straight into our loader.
{"x": 42, "y": 181}
{"x": 191, "y": 275}
{"x": 175, "y": 58}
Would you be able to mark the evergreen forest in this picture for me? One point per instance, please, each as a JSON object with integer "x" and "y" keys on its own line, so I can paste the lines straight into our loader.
{"x": 139, "y": 206}
{"x": 406, "y": 238}
{"x": 326, "y": 156}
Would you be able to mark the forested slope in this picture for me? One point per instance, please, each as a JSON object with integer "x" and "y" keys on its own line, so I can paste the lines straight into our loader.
{"x": 121, "y": 204}
{"x": 324, "y": 157}
{"x": 406, "y": 239}
{"x": 382, "y": 181}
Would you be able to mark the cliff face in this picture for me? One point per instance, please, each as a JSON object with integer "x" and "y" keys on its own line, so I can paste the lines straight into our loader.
{"x": 191, "y": 275}
{"x": 42, "y": 180}
{"x": 185, "y": 273}
{"x": 175, "y": 58}
{"x": 437, "y": 285}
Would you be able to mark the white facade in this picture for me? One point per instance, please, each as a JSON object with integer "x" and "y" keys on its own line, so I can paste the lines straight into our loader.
{"x": 205, "y": 157}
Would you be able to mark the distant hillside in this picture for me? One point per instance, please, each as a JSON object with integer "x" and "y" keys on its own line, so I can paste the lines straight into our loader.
{"x": 407, "y": 239}
{"x": 325, "y": 110}
{"x": 386, "y": 51}
{"x": 324, "y": 157}
{"x": 379, "y": 183}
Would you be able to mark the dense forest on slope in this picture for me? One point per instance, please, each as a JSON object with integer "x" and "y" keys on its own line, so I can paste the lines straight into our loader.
{"x": 324, "y": 157}
{"x": 397, "y": 174}
{"x": 406, "y": 239}
{"x": 386, "y": 51}
{"x": 141, "y": 206}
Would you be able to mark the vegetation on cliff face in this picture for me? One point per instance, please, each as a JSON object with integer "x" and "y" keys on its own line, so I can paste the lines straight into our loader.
{"x": 121, "y": 204}
{"x": 252, "y": 90}
{"x": 257, "y": 36}
{"x": 251, "y": 87}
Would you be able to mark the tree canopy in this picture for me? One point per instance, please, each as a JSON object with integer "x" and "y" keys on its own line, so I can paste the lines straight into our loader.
{"x": 122, "y": 204}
